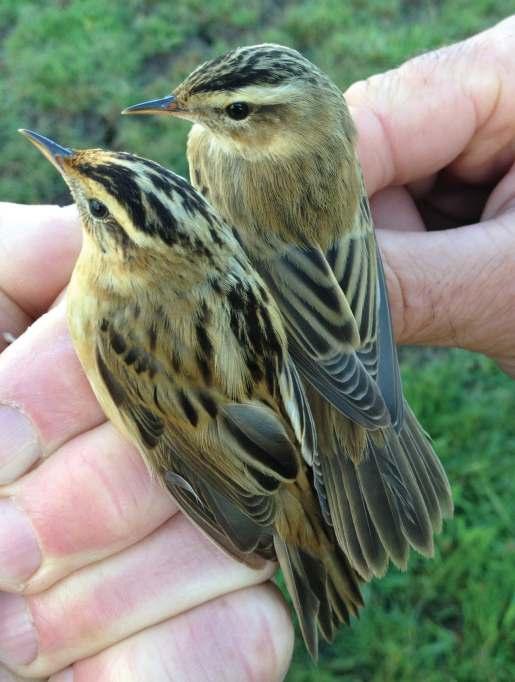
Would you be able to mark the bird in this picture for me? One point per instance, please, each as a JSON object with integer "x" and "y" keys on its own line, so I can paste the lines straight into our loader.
{"x": 186, "y": 352}
{"x": 273, "y": 149}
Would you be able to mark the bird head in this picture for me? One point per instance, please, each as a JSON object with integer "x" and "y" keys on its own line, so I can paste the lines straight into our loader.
{"x": 262, "y": 100}
{"x": 137, "y": 214}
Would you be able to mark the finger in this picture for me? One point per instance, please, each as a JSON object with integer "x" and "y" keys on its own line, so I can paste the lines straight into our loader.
{"x": 45, "y": 398}
{"x": 502, "y": 199}
{"x": 13, "y": 321}
{"x": 36, "y": 240}
{"x": 8, "y": 676}
{"x": 93, "y": 498}
{"x": 242, "y": 637}
{"x": 393, "y": 208}
{"x": 415, "y": 120}
{"x": 170, "y": 572}
{"x": 453, "y": 287}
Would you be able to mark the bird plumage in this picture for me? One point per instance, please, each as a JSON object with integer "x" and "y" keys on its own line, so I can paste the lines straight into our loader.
{"x": 288, "y": 175}
{"x": 186, "y": 351}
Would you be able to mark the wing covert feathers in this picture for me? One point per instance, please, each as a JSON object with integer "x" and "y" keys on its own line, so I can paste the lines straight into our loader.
{"x": 324, "y": 333}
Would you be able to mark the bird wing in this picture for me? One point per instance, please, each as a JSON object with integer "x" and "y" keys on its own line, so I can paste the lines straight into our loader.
{"x": 356, "y": 264}
{"x": 335, "y": 304}
{"x": 331, "y": 327}
{"x": 219, "y": 518}
{"x": 224, "y": 464}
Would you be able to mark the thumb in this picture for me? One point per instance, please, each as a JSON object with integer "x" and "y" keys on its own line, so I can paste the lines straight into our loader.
{"x": 417, "y": 119}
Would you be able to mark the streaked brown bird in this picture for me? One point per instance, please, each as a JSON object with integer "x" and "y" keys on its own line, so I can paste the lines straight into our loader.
{"x": 273, "y": 149}
{"x": 187, "y": 354}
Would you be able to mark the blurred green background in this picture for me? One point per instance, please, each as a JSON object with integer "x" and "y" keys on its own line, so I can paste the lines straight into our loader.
{"x": 69, "y": 67}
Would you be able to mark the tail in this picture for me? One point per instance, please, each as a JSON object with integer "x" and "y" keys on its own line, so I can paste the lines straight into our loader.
{"x": 324, "y": 590}
{"x": 393, "y": 496}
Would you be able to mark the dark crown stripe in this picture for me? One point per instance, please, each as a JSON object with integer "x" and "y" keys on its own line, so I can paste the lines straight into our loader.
{"x": 120, "y": 182}
{"x": 150, "y": 211}
{"x": 242, "y": 68}
{"x": 240, "y": 79}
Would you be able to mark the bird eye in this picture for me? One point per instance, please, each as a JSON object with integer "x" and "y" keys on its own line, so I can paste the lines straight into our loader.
{"x": 238, "y": 110}
{"x": 97, "y": 209}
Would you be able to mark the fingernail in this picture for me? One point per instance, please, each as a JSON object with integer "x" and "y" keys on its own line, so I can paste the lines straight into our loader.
{"x": 18, "y": 640}
{"x": 65, "y": 675}
{"x": 19, "y": 446}
{"x": 20, "y": 555}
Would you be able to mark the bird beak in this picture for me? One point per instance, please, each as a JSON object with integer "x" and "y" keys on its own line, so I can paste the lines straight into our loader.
{"x": 50, "y": 149}
{"x": 165, "y": 105}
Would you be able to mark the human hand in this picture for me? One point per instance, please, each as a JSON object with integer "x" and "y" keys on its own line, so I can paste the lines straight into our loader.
{"x": 101, "y": 575}
{"x": 437, "y": 144}
{"x": 115, "y": 574}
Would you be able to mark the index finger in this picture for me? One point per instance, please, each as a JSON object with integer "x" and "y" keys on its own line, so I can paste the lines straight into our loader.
{"x": 38, "y": 249}
{"x": 452, "y": 108}
{"x": 45, "y": 398}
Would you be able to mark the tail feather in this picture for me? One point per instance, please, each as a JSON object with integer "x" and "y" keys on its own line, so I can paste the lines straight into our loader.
{"x": 371, "y": 544}
{"x": 345, "y": 529}
{"x": 316, "y": 575}
{"x": 392, "y": 498}
{"x": 344, "y": 579}
{"x": 340, "y": 612}
{"x": 421, "y": 443}
{"x": 324, "y": 591}
{"x": 305, "y": 602}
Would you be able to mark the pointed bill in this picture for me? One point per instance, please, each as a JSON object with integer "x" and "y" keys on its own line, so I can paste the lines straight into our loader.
{"x": 164, "y": 105}
{"x": 50, "y": 149}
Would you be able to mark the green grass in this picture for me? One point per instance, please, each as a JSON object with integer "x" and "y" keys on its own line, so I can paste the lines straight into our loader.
{"x": 69, "y": 67}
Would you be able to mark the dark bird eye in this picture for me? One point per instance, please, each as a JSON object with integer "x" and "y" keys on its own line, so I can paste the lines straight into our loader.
{"x": 97, "y": 209}
{"x": 238, "y": 110}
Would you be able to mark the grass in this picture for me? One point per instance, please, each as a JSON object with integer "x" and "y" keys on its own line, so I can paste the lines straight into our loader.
{"x": 70, "y": 66}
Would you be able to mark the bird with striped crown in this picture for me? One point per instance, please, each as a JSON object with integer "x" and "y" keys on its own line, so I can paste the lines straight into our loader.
{"x": 273, "y": 148}
{"x": 186, "y": 351}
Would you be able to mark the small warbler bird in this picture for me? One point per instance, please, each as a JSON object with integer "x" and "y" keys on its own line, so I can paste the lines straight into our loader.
{"x": 273, "y": 149}
{"x": 186, "y": 351}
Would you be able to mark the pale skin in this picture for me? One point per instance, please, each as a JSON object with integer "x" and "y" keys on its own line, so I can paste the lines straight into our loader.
{"x": 121, "y": 585}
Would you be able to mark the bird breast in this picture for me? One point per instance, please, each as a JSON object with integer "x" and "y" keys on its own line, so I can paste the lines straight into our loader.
{"x": 309, "y": 197}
